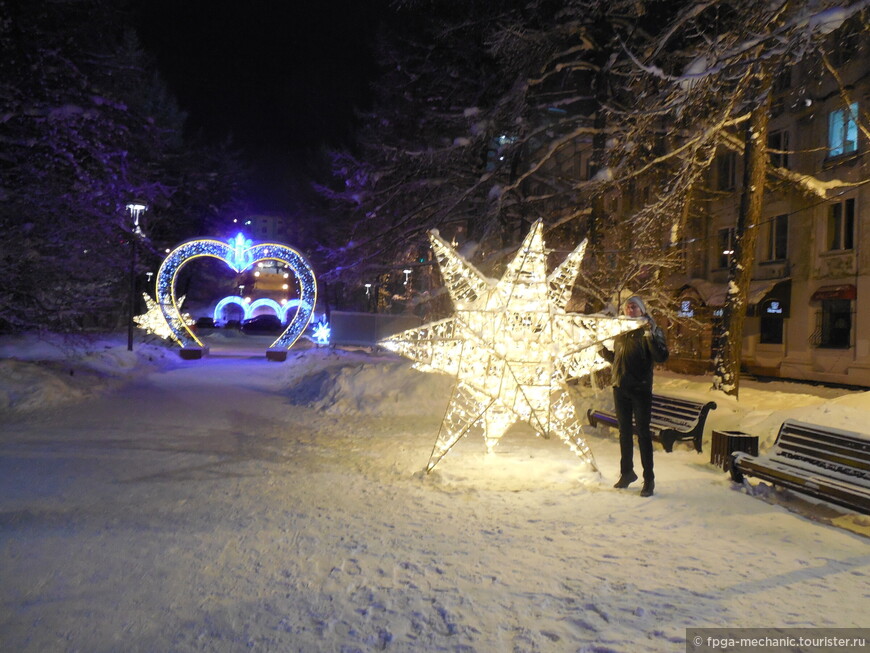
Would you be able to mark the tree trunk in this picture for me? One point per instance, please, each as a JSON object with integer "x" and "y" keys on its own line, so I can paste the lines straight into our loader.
{"x": 726, "y": 376}
{"x": 596, "y": 217}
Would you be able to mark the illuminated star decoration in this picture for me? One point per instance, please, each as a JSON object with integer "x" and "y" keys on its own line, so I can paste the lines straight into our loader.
{"x": 153, "y": 321}
{"x": 511, "y": 346}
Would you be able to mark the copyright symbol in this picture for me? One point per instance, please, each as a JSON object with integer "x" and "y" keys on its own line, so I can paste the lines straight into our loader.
{"x": 697, "y": 640}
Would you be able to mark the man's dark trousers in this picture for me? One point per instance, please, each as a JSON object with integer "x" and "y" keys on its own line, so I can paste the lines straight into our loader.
{"x": 636, "y": 401}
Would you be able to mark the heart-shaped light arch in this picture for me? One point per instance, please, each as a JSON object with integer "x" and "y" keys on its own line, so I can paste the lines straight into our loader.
{"x": 239, "y": 254}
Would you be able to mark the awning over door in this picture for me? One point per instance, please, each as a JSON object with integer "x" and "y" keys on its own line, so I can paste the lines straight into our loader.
{"x": 714, "y": 294}
{"x": 841, "y": 291}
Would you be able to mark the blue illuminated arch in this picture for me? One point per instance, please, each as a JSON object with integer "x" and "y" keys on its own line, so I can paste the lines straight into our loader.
{"x": 239, "y": 254}
{"x": 226, "y": 301}
{"x": 271, "y": 303}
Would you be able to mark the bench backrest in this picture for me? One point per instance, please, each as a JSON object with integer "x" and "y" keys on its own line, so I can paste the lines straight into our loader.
{"x": 846, "y": 452}
{"x": 678, "y": 411}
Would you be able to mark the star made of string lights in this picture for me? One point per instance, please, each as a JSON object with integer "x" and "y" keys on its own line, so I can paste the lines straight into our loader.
{"x": 511, "y": 346}
{"x": 154, "y": 321}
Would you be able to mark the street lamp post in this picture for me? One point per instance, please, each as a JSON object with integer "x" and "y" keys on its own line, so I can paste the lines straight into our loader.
{"x": 136, "y": 209}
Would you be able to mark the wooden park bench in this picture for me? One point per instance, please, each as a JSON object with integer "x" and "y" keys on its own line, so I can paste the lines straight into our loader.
{"x": 823, "y": 462}
{"x": 672, "y": 419}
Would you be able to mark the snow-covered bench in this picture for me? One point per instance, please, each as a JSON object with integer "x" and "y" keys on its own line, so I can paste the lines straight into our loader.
{"x": 673, "y": 418}
{"x": 826, "y": 463}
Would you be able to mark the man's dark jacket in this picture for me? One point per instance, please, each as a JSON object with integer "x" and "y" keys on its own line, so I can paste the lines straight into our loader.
{"x": 633, "y": 356}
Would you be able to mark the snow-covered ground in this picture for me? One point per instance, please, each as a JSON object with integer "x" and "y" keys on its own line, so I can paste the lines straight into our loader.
{"x": 152, "y": 504}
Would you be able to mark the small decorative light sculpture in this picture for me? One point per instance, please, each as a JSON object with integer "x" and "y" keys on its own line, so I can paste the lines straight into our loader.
{"x": 153, "y": 320}
{"x": 511, "y": 346}
{"x": 238, "y": 253}
{"x": 321, "y": 332}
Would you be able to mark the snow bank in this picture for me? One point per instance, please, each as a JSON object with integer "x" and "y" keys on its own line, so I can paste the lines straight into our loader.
{"x": 50, "y": 370}
{"x": 367, "y": 384}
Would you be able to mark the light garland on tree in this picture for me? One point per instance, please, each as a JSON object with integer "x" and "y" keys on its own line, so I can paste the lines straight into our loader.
{"x": 511, "y": 345}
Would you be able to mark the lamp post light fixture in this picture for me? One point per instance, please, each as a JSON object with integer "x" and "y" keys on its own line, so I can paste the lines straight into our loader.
{"x": 136, "y": 209}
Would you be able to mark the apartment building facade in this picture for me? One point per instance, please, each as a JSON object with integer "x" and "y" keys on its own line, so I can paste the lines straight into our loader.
{"x": 809, "y": 299}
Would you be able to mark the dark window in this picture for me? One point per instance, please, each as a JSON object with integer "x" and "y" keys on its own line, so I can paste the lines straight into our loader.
{"x": 777, "y": 244}
{"x": 660, "y": 144}
{"x": 777, "y": 145}
{"x": 726, "y": 246}
{"x": 771, "y": 322}
{"x": 726, "y": 171}
{"x": 782, "y": 82}
{"x": 841, "y": 225}
{"x": 836, "y": 323}
{"x": 844, "y": 48}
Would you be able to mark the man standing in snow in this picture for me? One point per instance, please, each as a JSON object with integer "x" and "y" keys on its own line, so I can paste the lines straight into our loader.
{"x": 632, "y": 359}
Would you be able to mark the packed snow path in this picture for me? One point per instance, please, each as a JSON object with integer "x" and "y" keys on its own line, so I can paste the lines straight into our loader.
{"x": 230, "y": 504}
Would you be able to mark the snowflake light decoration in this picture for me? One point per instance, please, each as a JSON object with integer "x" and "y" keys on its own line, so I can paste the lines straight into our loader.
{"x": 511, "y": 345}
{"x": 321, "y": 332}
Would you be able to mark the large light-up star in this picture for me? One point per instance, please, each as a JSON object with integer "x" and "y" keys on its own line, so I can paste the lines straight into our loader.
{"x": 154, "y": 321}
{"x": 511, "y": 346}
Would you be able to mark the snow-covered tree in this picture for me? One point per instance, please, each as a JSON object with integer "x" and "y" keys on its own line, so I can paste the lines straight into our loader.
{"x": 602, "y": 118}
{"x": 87, "y": 127}
{"x": 711, "y": 69}
{"x": 479, "y": 107}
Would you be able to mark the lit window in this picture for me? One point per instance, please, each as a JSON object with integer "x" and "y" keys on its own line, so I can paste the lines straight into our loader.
{"x": 777, "y": 243}
{"x": 841, "y": 225}
{"x": 843, "y": 130}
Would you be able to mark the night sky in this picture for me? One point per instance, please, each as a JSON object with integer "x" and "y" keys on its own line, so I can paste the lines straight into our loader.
{"x": 281, "y": 78}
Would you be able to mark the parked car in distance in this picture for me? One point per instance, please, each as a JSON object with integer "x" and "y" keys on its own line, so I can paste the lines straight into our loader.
{"x": 262, "y": 324}
{"x": 232, "y": 324}
{"x": 205, "y": 323}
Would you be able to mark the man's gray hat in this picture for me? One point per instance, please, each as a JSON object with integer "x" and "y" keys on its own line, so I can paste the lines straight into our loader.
{"x": 635, "y": 299}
